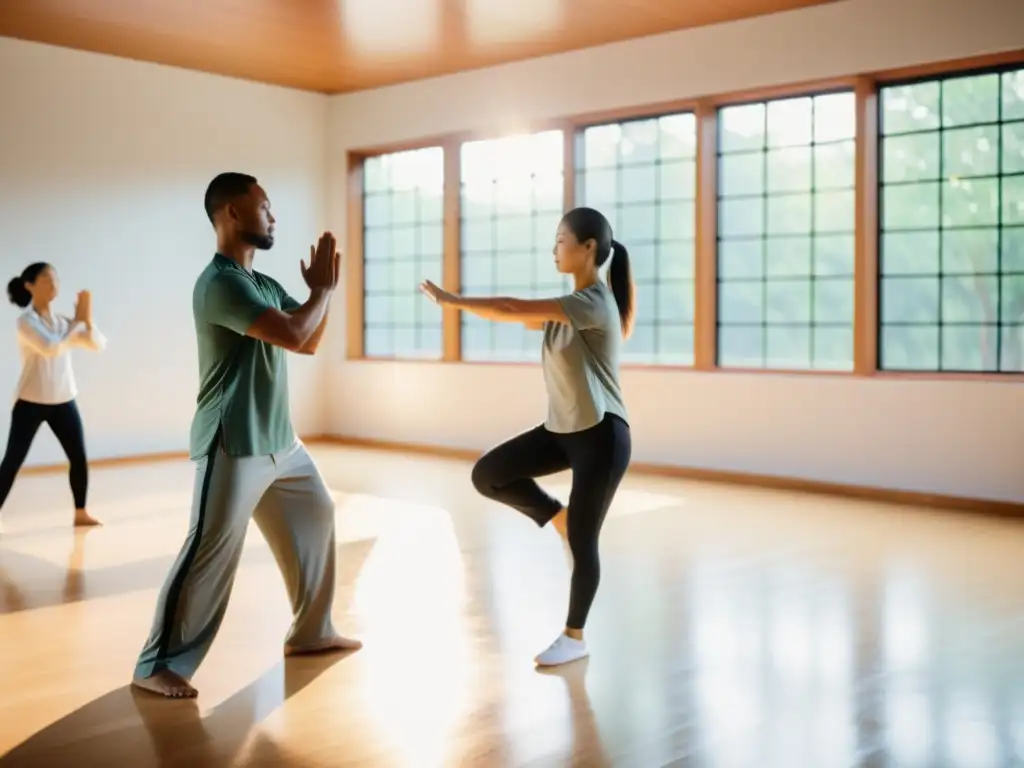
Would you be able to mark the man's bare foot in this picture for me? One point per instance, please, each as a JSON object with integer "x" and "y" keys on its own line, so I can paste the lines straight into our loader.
{"x": 166, "y": 683}
{"x": 336, "y": 643}
{"x": 561, "y": 523}
{"x": 83, "y": 518}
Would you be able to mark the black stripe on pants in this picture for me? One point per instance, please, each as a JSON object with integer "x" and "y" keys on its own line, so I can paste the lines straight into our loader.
{"x": 598, "y": 458}
{"x": 66, "y": 423}
{"x": 175, "y": 588}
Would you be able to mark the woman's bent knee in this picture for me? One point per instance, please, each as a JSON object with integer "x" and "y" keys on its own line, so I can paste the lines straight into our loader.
{"x": 482, "y": 477}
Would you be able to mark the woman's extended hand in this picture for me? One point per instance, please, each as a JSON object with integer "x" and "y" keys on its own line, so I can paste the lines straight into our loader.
{"x": 435, "y": 294}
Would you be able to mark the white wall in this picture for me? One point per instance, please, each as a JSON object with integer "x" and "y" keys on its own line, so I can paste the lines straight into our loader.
{"x": 103, "y": 165}
{"x": 951, "y": 437}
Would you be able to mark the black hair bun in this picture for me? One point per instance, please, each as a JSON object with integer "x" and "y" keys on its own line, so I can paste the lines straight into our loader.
{"x": 18, "y": 293}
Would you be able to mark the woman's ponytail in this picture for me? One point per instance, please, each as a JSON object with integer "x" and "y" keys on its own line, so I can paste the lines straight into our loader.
{"x": 620, "y": 278}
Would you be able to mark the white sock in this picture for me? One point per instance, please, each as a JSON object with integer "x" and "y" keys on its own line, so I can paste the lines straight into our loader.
{"x": 562, "y": 651}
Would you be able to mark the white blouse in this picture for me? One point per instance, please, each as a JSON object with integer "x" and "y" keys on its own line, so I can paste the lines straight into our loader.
{"x": 46, "y": 375}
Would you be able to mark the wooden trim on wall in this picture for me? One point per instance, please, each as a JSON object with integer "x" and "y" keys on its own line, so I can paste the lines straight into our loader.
{"x": 569, "y": 131}
{"x": 906, "y": 498}
{"x": 627, "y": 114}
{"x": 705, "y": 268}
{"x": 157, "y": 457}
{"x": 404, "y": 146}
{"x": 890, "y": 496}
{"x": 354, "y": 260}
{"x": 952, "y": 66}
{"x": 526, "y": 128}
{"x": 865, "y": 270}
{"x": 785, "y": 91}
{"x": 451, "y": 321}
{"x": 112, "y": 462}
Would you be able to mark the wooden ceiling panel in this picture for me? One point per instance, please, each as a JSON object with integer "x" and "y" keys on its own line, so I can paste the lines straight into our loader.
{"x": 339, "y": 46}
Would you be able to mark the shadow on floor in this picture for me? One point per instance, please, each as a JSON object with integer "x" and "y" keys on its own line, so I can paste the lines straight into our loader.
{"x": 28, "y": 583}
{"x": 127, "y": 728}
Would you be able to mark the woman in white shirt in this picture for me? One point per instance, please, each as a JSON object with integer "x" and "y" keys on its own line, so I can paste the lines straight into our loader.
{"x": 47, "y": 389}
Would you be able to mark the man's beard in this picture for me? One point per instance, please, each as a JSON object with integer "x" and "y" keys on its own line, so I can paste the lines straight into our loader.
{"x": 262, "y": 242}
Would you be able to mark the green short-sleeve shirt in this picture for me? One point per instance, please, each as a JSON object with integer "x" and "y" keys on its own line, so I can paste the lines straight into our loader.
{"x": 243, "y": 382}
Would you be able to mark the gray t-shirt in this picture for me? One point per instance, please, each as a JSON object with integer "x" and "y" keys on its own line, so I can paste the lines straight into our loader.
{"x": 581, "y": 361}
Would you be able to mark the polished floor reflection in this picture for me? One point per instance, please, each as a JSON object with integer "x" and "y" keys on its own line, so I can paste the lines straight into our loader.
{"x": 733, "y": 628}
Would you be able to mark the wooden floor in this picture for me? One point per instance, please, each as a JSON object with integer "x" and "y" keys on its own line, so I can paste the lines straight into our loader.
{"x": 733, "y": 628}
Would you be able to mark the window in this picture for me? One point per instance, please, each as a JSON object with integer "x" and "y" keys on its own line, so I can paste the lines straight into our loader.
{"x": 641, "y": 175}
{"x": 512, "y": 201}
{"x": 786, "y": 216}
{"x": 403, "y": 244}
{"x": 951, "y": 250}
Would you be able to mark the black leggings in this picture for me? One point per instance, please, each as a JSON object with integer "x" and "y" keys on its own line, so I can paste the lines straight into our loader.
{"x": 598, "y": 458}
{"x": 66, "y": 423}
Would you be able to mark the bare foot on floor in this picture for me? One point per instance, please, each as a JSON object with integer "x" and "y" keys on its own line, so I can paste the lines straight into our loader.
{"x": 166, "y": 683}
{"x": 331, "y": 645}
{"x": 561, "y": 523}
{"x": 83, "y": 518}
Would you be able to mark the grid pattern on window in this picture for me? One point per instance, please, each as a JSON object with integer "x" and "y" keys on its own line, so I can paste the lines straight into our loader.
{"x": 512, "y": 191}
{"x": 403, "y": 244}
{"x": 786, "y": 218}
{"x": 641, "y": 174}
{"x": 951, "y": 224}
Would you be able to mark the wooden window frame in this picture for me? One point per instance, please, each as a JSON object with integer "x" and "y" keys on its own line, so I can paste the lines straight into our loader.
{"x": 705, "y": 118}
{"x": 355, "y": 256}
{"x": 915, "y": 77}
{"x": 819, "y": 88}
{"x": 454, "y": 254}
{"x": 865, "y": 87}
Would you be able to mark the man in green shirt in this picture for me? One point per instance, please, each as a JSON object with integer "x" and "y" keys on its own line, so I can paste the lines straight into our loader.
{"x": 249, "y": 463}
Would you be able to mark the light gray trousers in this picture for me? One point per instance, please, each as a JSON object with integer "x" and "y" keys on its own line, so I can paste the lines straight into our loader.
{"x": 286, "y": 496}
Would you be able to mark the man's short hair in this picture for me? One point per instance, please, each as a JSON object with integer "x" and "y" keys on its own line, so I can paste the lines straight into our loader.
{"x": 224, "y": 188}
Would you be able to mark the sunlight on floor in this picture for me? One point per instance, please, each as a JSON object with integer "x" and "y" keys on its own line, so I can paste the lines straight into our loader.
{"x": 628, "y": 501}
{"x": 411, "y": 592}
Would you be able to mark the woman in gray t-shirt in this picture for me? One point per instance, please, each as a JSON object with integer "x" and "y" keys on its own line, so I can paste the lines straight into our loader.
{"x": 587, "y": 426}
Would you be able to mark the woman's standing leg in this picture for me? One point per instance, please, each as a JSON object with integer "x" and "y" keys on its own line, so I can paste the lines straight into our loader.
{"x": 506, "y": 473}
{"x": 66, "y": 423}
{"x": 599, "y": 457}
{"x": 25, "y": 421}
